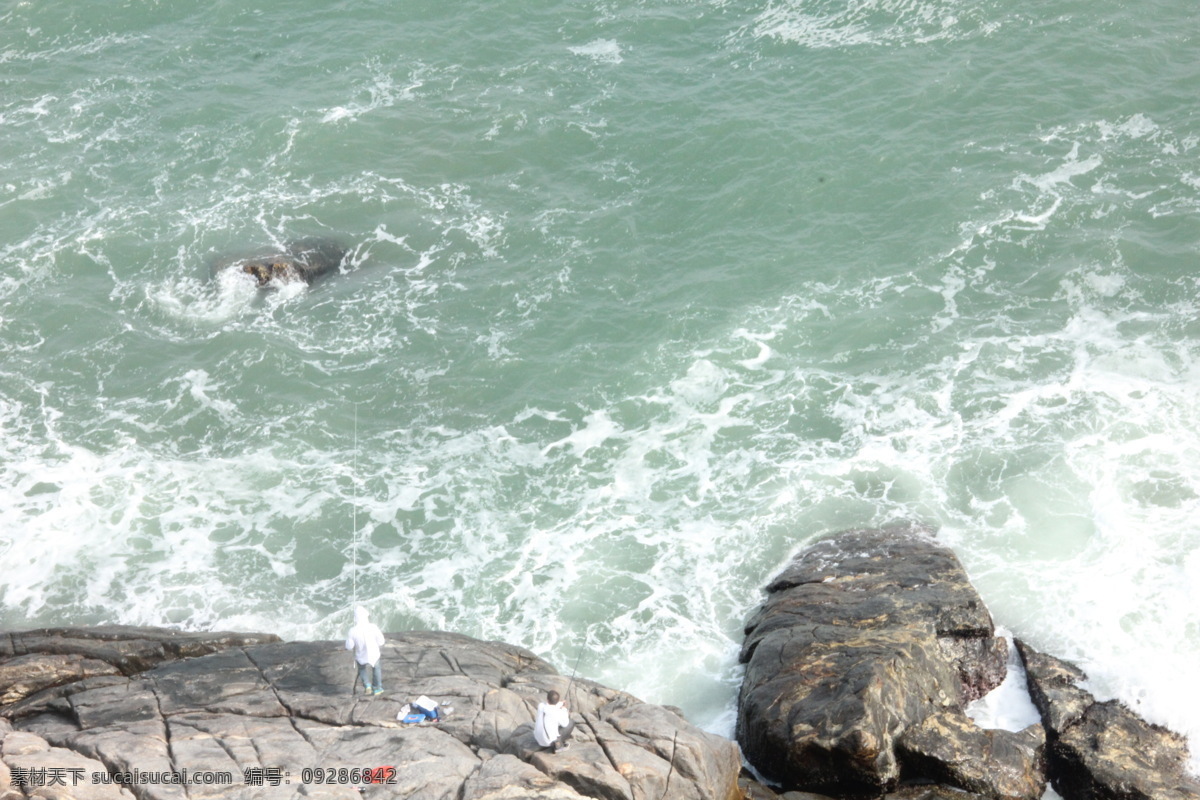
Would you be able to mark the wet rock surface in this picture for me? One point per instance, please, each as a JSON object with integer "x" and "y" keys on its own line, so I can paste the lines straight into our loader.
{"x": 1101, "y": 750}
{"x": 863, "y": 637}
{"x": 752, "y": 790}
{"x": 305, "y": 260}
{"x": 279, "y": 719}
{"x": 950, "y": 748}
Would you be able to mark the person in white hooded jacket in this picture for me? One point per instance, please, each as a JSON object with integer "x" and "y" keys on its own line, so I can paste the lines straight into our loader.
{"x": 365, "y": 639}
{"x": 552, "y": 725}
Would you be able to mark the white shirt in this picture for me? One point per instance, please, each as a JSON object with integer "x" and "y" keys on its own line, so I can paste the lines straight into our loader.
{"x": 364, "y": 638}
{"x": 549, "y": 719}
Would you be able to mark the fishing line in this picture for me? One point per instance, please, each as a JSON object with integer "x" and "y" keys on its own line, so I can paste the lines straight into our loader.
{"x": 354, "y": 516}
{"x": 354, "y": 540}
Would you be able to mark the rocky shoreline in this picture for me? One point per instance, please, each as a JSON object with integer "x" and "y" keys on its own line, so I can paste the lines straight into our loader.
{"x": 859, "y": 666}
{"x": 281, "y": 719}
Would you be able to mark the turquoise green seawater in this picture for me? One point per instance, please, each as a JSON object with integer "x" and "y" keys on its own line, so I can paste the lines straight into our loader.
{"x": 640, "y": 298}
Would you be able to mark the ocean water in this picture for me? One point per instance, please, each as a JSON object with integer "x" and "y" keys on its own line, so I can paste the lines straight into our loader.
{"x": 641, "y": 297}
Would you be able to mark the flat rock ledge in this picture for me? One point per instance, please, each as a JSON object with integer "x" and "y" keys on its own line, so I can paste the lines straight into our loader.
{"x": 93, "y": 716}
{"x": 860, "y": 664}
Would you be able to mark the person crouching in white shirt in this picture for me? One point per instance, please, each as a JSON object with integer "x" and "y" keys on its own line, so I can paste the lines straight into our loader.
{"x": 553, "y": 726}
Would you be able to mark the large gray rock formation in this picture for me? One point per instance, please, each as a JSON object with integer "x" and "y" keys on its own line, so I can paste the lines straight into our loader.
{"x": 280, "y": 720}
{"x": 1102, "y": 750}
{"x": 862, "y": 639}
{"x": 40, "y": 659}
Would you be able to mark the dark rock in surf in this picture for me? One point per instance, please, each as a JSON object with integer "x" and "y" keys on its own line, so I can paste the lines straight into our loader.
{"x": 862, "y": 637}
{"x": 289, "y": 706}
{"x": 930, "y": 792}
{"x": 753, "y": 790}
{"x": 950, "y": 748}
{"x": 1102, "y": 750}
{"x": 302, "y": 260}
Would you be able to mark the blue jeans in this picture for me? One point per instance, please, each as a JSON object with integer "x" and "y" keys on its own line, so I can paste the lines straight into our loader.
{"x": 366, "y": 671}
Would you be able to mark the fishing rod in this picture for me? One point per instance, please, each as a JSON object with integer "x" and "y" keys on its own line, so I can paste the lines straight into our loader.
{"x": 571, "y": 680}
{"x": 354, "y": 544}
{"x": 667, "y": 785}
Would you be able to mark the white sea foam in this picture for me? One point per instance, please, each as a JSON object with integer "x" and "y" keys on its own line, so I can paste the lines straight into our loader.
{"x": 231, "y": 293}
{"x": 872, "y": 23}
{"x": 382, "y": 91}
{"x": 1007, "y": 707}
{"x": 1090, "y": 456}
{"x": 603, "y": 51}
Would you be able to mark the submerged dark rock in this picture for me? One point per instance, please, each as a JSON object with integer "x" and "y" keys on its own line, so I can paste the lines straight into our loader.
{"x": 285, "y": 711}
{"x": 1102, "y": 750}
{"x": 301, "y": 260}
{"x": 863, "y": 637}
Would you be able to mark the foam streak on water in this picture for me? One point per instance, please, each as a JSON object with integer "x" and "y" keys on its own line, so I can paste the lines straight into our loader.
{"x": 640, "y": 298}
